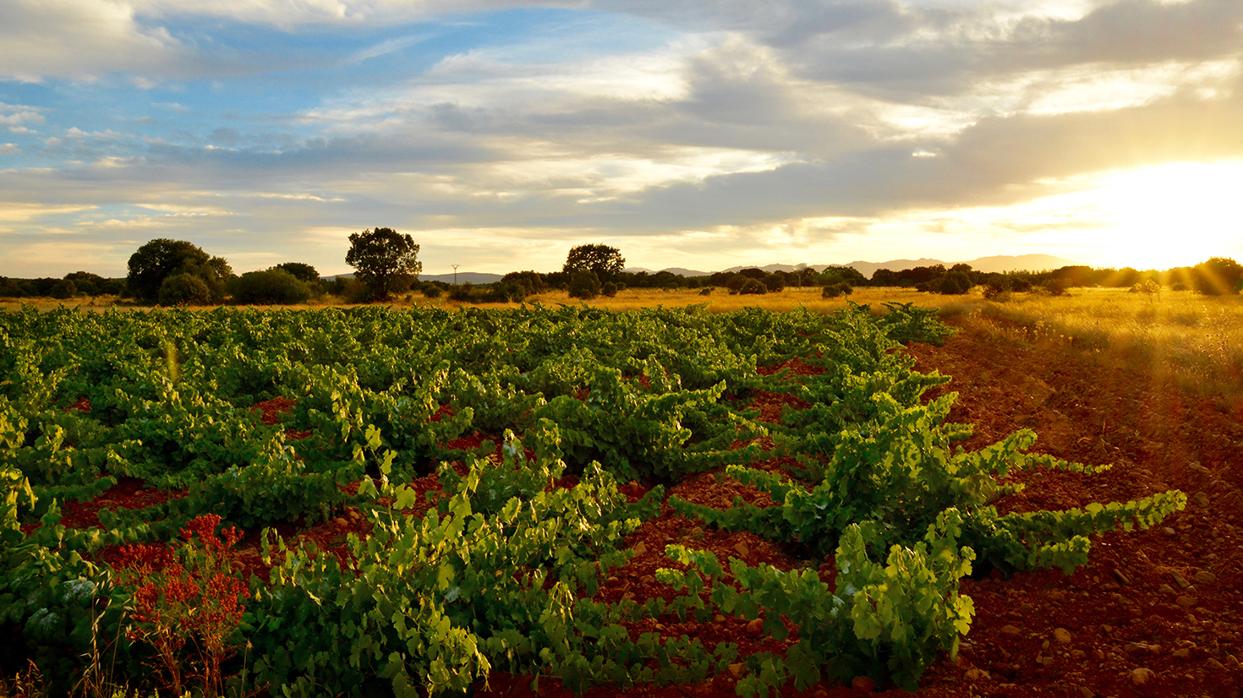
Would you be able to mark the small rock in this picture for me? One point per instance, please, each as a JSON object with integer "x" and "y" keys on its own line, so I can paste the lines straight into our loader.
{"x": 718, "y": 618}
{"x": 755, "y": 627}
{"x": 1180, "y": 580}
{"x": 1086, "y": 692}
{"x": 975, "y": 674}
{"x": 821, "y": 693}
{"x": 1215, "y": 665}
{"x": 1186, "y": 601}
{"x": 1181, "y": 653}
{"x": 340, "y": 521}
{"x": 1121, "y": 577}
{"x": 1201, "y": 499}
{"x": 862, "y": 683}
{"x": 1010, "y": 630}
{"x": 1044, "y": 645}
{"x": 742, "y": 549}
{"x": 1168, "y": 531}
{"x": 1204, "y": 577}
{"x": 1141, "y": 676}
{"x": 1062, "y": 635}
{"x": 1166, "y": 589}
{"x": 639, "y": 548}
{"x": 735, "y": 669}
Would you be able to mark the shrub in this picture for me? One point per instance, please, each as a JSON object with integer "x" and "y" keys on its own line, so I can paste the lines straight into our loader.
{"x": 268, "y": 287}
{"x": 584, "y": 284}
{"x": 752, "y": 287}
{"x": 836, "y": 290}
{"x": 1147, "y": 286}
{"x": 184, "y": 289}
{"x": 64, "y": 289}
{"x": 431, "y": 291}
{"x": 705, "y": 291}
{"x": 1053, "y": 287}
{"x": 996, "y": 292}
{"x": 609, "y": 289}
{"x": 955, "y": 283}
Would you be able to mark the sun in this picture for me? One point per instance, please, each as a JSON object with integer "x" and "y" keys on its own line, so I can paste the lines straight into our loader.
{"x": 1168, "y": 215}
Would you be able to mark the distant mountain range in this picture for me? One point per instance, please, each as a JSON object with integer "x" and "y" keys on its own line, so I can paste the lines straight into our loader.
{"x": 463, "y": 277}
{"x": 998, "y": 263}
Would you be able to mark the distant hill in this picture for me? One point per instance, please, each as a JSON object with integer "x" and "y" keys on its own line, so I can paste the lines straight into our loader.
{"x": 1023, "y": 262}
{"x": 680, "y": 271}
{"x": 463, "y": 277}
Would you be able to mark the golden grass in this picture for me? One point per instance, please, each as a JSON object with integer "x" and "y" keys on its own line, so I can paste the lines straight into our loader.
{"x": 1195, "y": 340}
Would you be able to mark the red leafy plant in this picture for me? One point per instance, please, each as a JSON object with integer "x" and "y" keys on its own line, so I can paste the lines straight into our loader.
{"x": 188, "y": 601}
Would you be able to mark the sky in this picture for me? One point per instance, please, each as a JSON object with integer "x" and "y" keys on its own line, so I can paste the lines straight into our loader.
{"x": 702, "y": 134}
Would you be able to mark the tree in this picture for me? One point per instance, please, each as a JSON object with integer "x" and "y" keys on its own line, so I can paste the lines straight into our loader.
{"x": 153, "y": 263}
{"x": 1219, "y": 276}
{"x": 302, "y": 272}
{"x": 603, "y": 261}
{"x": 384, "y": 261}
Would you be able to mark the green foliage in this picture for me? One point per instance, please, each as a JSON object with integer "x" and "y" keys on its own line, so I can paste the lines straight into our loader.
{"x": 158, "y": 260}
{"x": 603, "y": 261}
{"x": 305, "y": 273}
{"x": 384, "y": 261}
{"x": 269, "y": 287}
{"x": 584, "y": 284}
{"x": 279, "y": 417}
{"x": 184, "y": 289}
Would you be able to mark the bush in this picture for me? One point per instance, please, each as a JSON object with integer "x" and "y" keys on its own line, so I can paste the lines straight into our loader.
{"x": 268, "y": 287}
{"x": 1053, "y": 287}
{"x": 836, "y": 290}
{"x": 184, "y": 289}
{"x": 996, "y": 292}
{"x": 955, "y": 283}
{"x": 431, "y": 291}
{"x": 752, "y": 287}
{"x": 584, "y": 284}
{"x": 64, "y": 289}
{"x": 1147, "y": 286}
{"x": 705, "y": 291}
{"x": 609, "y": 289}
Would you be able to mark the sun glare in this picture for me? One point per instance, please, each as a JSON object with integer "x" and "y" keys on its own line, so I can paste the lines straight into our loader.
{"x": 1169, "y": 215}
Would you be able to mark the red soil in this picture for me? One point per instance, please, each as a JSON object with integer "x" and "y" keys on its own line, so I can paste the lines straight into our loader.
{"x": 272, "y": 410}
{"x": 1156, "y": 612}
{"x": 128, "y": 493}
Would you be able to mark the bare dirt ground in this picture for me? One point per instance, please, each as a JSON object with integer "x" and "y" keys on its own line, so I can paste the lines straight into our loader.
{"x": 1156, "y": 612}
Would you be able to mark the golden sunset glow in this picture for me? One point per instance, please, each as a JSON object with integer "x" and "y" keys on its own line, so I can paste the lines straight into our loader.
{"x": 1168, "y": 215}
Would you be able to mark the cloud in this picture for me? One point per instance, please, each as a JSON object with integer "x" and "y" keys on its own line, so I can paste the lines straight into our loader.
{"x": 80, "y": 39}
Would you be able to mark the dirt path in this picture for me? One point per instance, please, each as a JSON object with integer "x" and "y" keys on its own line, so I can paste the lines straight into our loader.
{"x": 1155, "y": 612}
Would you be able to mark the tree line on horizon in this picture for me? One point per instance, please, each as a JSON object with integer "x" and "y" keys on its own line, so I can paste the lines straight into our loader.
{"x": 176, "y": 272}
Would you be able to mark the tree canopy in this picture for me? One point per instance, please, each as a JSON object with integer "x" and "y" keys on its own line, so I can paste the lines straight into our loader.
{"x": 158, "y": 260}
{"x": 300, "y": 271}
{"x": 602, "y": 260}
{"x": 384, "y": 261}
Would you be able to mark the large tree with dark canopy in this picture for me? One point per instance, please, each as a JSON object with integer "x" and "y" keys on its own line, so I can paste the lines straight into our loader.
{"x": 602, "y": 260}
{"x": 158, "y": 260}
{"x": 384, "y": 261}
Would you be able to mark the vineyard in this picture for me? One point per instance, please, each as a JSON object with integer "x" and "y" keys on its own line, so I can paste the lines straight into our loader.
{"x": 429, "y": 501}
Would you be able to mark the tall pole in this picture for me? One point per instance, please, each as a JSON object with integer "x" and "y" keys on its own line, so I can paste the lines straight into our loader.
{"x": 454, "y": 273}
